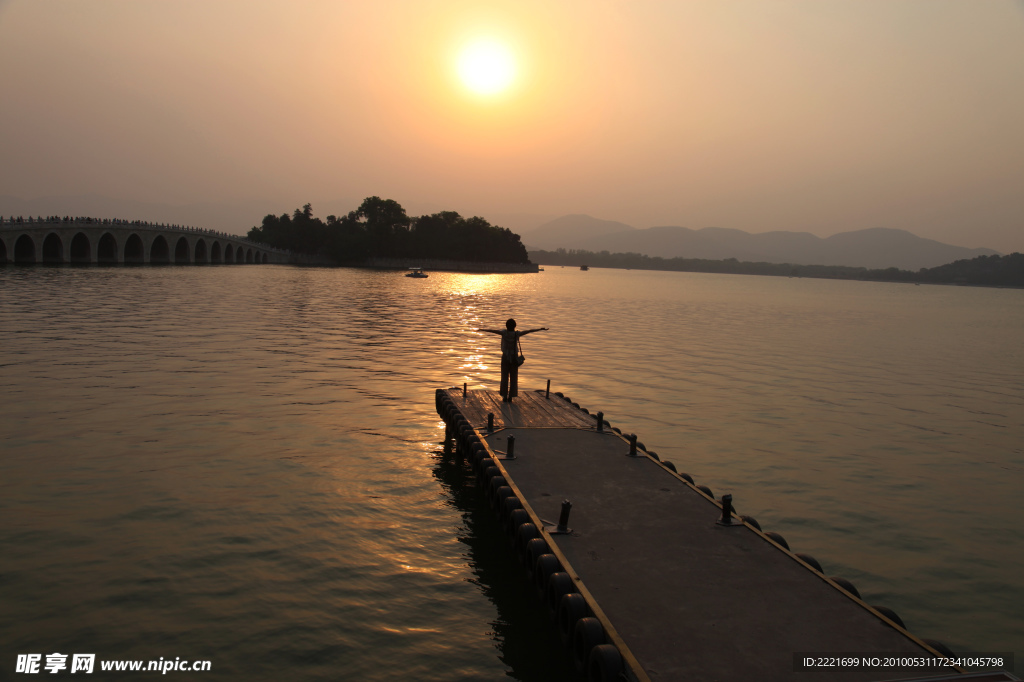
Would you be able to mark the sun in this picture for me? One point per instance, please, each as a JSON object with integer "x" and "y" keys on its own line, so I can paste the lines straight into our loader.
{"x": 486, "y": 67}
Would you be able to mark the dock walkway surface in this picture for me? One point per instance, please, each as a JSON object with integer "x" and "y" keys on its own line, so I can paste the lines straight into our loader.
{"x": 680, "y": 596}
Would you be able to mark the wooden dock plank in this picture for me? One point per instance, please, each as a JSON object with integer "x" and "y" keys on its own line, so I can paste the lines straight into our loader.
{"x": 529, "y": 410}
{"x": 561, "y": 412}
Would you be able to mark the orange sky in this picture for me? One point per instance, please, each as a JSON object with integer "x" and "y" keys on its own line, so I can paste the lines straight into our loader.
{"x": 819, "y": 115}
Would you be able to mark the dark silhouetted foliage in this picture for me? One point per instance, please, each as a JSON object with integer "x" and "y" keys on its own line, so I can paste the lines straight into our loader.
{"x": 999, "y": 271}
{"x": 1005, "y": 271}
{"x": 381, "y": 228}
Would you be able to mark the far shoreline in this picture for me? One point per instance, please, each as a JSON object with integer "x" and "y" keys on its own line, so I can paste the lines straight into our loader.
{"x": 1000, "y": 272}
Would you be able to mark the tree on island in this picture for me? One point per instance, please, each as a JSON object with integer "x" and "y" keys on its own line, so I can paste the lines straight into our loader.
{"x": 381, "y": 228}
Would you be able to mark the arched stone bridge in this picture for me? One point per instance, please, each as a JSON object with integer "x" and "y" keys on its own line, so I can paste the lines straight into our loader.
{"x": 56, "y": 240}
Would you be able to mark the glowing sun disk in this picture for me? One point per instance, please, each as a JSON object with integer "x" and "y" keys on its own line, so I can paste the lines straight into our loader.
{"x": 486, "y": 67}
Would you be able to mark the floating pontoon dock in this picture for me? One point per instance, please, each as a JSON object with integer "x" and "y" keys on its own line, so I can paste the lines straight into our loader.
{"x": 650, "y": 577}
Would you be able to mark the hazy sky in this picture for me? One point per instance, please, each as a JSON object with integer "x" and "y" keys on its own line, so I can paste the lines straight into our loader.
{"x": 814, "y": 115}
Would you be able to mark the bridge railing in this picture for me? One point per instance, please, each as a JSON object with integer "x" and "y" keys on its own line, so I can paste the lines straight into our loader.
{"x": 119, "y": 222}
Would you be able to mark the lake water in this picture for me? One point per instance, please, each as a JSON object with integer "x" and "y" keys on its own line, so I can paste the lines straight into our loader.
{"x": 238, "y": 463}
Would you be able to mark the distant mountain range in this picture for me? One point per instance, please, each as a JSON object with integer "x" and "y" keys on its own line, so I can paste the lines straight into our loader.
{"x": 871, "y": 248}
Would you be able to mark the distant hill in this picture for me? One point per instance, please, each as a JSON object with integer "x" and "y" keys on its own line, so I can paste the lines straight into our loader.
{"x": 571, "y": 229}
{"x": 871, "y": 248}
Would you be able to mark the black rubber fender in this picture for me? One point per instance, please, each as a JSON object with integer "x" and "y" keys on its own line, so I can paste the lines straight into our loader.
{"x": 543, "y": 568}
{"x": 524, "y": 533}
{"x": 846, "y": 585}
{"x": 654, "y": 454}
{"x": 668, "y": 464}
{"x": 706, "y": 490}
{"x": 584, "y": 410}
{"x": 501, "y": 493}
{"x": 534, "y": 549}
{"x": 571, "y": 608}
{"x": 752, "y": 521}
{"x": 604, "y": 664}
{"x": 641, "y": 446}
{"x": 493, "y": 483}
{"x": 487, "y": 474}
{"x": 478, "y": 452}
{"x": 558, "y": 584}
{"x": 688, "y": 478}
{"x": 509, "y": 505}
{"x": 516, "y": 518}
{"x": 890, "y": 614}
{"x": 811, "y": 561}
{"x": 587, "y": 634}
{"x": 779, "y": 540}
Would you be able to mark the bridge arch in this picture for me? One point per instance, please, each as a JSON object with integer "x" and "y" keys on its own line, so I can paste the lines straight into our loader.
{"x": 134, "y": 250}
{"x": 159, "y": 252}
{"x": 181, "y": 251}
{"x": 3, "y": 252}
{"x": 53, "y": 249}
{"x": 93, "y": 241}
{"x": 25, "y": 250}
{"x": 106, "y": 250}
{"x": 81, "y": 249}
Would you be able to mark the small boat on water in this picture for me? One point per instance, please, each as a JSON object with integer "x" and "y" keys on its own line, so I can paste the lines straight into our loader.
{"x": 584, "y": 267}
{"x": 416, "y": 272}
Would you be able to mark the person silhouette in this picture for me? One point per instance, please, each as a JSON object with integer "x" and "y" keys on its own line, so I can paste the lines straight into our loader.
{"x": 510, "y": 357}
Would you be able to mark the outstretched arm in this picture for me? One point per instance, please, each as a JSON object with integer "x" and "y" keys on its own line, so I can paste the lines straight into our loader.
{"x": 530, "y": 331}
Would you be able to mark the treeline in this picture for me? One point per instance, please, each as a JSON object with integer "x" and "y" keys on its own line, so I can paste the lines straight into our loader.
{"x": 1007, "y": 271}
{"x": 381, "y": 228}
